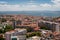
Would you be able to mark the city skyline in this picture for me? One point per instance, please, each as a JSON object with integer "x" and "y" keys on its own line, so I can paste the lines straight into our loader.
{"x": 29, "y": 5}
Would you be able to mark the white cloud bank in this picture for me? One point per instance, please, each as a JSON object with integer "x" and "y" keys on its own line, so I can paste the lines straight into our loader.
{"x": 31, "y": 6}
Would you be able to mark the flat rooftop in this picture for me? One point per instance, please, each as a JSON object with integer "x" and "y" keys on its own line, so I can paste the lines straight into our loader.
{"x": 15, "y": 30}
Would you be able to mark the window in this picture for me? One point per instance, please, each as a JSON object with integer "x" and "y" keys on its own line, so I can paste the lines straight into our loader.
{"x": 14, "y": 38}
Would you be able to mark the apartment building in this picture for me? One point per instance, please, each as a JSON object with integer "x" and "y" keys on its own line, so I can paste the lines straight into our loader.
{"x": 17, "y": 34}
{"x": 51, "y": 25}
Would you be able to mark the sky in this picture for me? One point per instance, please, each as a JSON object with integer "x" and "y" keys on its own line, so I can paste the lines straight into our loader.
{"x": 29, "y": 5}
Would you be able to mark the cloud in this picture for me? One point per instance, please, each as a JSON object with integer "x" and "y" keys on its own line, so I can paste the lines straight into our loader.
{"x": 7, "y": 7}
{"x": 56, "y": 5}
{"x": 56, "y": 1}
{"x": 30, "y": 6}
{"x": 3, "y": 2}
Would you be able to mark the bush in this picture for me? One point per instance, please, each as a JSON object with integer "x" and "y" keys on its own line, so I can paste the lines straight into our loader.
{"x": 33, "y": 34}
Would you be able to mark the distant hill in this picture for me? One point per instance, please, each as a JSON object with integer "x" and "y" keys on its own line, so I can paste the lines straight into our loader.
{"x": 33, "y": 13}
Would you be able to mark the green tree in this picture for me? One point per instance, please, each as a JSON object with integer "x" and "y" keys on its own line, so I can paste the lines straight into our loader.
{"x": 8, "y": 28}
{"x": 45, "y": 28}
{"x": 3, "y": 20}
{"x": 29, "y": 29}
{"x": 0, "y": 30}
{"x": 38, "y": 34}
